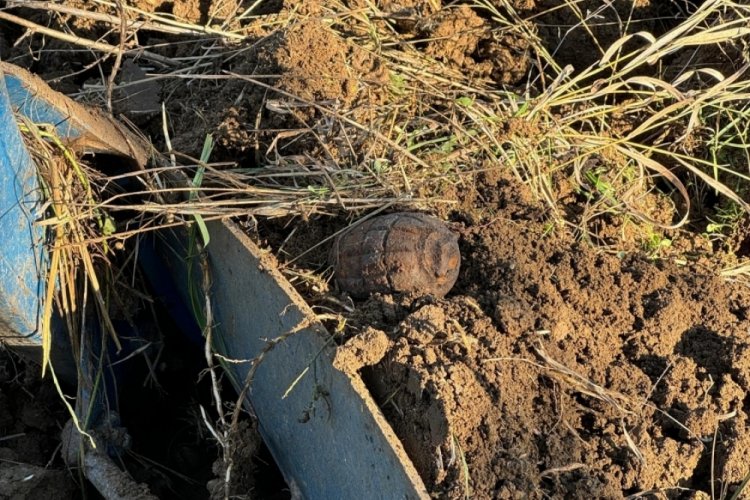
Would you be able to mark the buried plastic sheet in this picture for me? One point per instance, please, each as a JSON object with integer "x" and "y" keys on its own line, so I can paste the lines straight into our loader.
{"x": 22, "y": 276}
{"x": 323, "y": 428}
{"x": 21, "y": 283}
{"x": 22, "y": 255}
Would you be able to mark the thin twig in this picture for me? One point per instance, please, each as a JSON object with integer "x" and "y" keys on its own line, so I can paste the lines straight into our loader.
{"x": 118, "y": 55}
{"x": 84, "y": 42}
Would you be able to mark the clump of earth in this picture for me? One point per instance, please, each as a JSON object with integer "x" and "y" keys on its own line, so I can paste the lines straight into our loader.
{"x": 554, "y": 368}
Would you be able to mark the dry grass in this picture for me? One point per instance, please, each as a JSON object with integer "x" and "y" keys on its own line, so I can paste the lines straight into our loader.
{"x": 441, "y": 127}
{"x": 639, "y": 137}
{"x": 72, "y": 222}
{"x": 73, "y": 270}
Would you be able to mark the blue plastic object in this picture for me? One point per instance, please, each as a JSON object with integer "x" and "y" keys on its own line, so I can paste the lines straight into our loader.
{"x": 22, "y": 250}
{"x": 320, "y": 423}
{"x": 37, "y": 109}
{"x": 322, "y": 427}
{"x": 22, "y": 254}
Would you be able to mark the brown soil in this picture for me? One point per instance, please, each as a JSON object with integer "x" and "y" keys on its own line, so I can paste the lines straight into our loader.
{"x": 579, "y": 33}
{"x": 553, "y": 368}
{"x": 31, "y": 420}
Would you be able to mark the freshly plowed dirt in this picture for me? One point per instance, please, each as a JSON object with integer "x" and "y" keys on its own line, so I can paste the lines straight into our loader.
{"x": 553, "y": 369}
{"x": 556, "y": 370}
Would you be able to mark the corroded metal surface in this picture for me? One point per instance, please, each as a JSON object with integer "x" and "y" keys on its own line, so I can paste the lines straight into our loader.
{"x": 397, "y": 253}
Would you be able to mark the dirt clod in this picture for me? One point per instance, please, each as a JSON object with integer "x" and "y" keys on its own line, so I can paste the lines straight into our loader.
{"x": 21, "y": 481}
{"x": 643, "y": 361}
{"x": 365, "y": 349}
